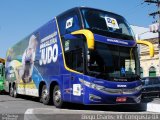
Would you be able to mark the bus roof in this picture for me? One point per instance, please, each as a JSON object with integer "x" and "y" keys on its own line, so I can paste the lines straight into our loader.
{"x": 83, "y": 7}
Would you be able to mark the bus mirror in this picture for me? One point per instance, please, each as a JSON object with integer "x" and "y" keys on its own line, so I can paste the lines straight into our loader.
{"x": 151, "y": 47}
{"x": 89, "y": 37}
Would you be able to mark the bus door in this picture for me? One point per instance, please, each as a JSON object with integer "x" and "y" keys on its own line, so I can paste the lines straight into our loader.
{"x": 74, "y": 54}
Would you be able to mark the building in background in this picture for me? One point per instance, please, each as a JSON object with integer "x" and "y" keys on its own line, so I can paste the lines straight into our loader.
{"x": 149, "y": 66}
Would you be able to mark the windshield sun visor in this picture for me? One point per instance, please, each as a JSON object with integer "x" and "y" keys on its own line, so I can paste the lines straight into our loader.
{"x": 89, "y": 37}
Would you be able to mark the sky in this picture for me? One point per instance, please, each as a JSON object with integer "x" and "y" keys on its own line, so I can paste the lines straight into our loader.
{"x": 19, "y": 18}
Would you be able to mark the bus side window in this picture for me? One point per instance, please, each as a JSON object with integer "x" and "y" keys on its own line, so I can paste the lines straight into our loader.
{"x": 68, "y": 22}
{"x": 74, "y": 54}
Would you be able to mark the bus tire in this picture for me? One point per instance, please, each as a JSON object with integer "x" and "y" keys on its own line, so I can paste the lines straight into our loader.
{"x": 45, "y": 98}
{"x": 57, "y": 99}
{"x": 11, "y": 91}
{"x": 15, "y": 94}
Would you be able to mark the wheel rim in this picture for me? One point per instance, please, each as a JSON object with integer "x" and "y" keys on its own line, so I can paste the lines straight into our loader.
{"x": 57, "y": 96}
{"x": 45, "y": 95}
{"x": 11, "y": 91}
{"x": 15, "y": 92}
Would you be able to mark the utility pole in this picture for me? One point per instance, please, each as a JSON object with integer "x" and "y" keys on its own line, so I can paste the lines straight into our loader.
{"x": 154, "y": 14}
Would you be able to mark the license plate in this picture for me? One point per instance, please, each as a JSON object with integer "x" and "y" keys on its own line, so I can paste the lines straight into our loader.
{"x": 121, "y": 99}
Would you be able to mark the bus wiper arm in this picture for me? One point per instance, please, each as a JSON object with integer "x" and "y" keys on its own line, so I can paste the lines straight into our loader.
{"x": 94, "y": 73}
{"x": 95, "y": 28}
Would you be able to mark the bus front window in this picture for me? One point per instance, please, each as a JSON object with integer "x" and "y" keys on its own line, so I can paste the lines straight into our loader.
{"x": 106, "y": 23}
{"x": 113, "y": 62}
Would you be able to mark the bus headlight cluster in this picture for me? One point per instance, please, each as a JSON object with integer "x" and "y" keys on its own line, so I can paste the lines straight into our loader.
{"x": 91, "y": 85}
{"x": 110, "y": 90}
{"x": 138, "y": 88}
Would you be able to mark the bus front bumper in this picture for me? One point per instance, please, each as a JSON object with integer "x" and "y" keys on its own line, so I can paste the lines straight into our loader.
{"x": 96, "y": 97}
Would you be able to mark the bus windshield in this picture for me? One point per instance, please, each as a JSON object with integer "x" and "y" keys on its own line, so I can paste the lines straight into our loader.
{"x": 106, "y": 23}
{"x": 113, "y": 62}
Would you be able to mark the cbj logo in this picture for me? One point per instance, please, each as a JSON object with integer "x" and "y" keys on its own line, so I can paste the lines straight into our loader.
{"x": 49, "y": 54}
{"x": 49, "y": 49}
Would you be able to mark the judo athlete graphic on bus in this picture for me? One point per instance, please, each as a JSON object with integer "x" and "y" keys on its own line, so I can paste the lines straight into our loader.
{"x": 28, "y": 60}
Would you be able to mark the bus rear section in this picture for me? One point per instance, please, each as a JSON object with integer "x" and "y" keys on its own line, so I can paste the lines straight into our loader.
{"x": 2, "y": 75}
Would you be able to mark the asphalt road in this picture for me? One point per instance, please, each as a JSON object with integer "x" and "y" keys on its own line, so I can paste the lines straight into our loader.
{"x": 20, "y": 105}
{"x": 10, "y": 105}
{"x": 29, "y": 108}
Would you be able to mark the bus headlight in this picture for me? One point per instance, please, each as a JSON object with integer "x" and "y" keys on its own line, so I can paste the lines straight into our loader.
{"x": 91, "y": 85}
{"x": 132, "y": 90}
{"x": 138, "y": 88}
{"x": 86, "y": 83}
{"x": 99, "y": 87}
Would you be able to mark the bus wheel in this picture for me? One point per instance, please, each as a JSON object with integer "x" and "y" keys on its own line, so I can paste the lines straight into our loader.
{"x": 11, "y": 91}
{"x": 15, "y": 91}
{"x": 45, "y": 99}
{"x": 57, "y": 99}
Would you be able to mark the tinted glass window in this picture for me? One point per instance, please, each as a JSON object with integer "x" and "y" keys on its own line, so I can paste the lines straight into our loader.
{"x": 68, "y": 22}
{"x": 110, "y": 24}
{"x": 151, "y": 81}
{"x": 154, "y": 80}
{"x": 73, "y": 50}
{"x": 113, "y": 61}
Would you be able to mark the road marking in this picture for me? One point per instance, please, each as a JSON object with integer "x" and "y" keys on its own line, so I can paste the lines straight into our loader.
{"x": 29, "y": 115}
{"x": 29, "y": 111}
{"x": 153, "y": 107}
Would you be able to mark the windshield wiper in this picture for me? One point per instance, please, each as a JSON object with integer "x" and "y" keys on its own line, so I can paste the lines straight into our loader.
{"x": 93, "y": 73}
{"x": 101, "y": 75}
{"x": 132, "y": 76}
{"x": 95, "y": 28}
{"x": 124, "y": 36}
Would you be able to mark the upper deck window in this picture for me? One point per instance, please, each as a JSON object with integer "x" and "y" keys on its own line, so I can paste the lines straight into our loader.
{"x": 68, "y": 22}
{"x": 106, "y": 23}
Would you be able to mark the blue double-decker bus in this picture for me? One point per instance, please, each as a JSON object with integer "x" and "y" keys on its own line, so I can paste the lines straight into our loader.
{"x": 83, "y": 55}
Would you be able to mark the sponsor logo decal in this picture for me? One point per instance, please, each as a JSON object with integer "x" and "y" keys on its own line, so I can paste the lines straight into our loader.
{"x": 69, "y": 23}
{"x": 77, "y": 89}
{"x": 121, "y": 86}
{"x": 111, "y": 22}
{"x": 49, "y": 49}
{"x": 117, "y": 41}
